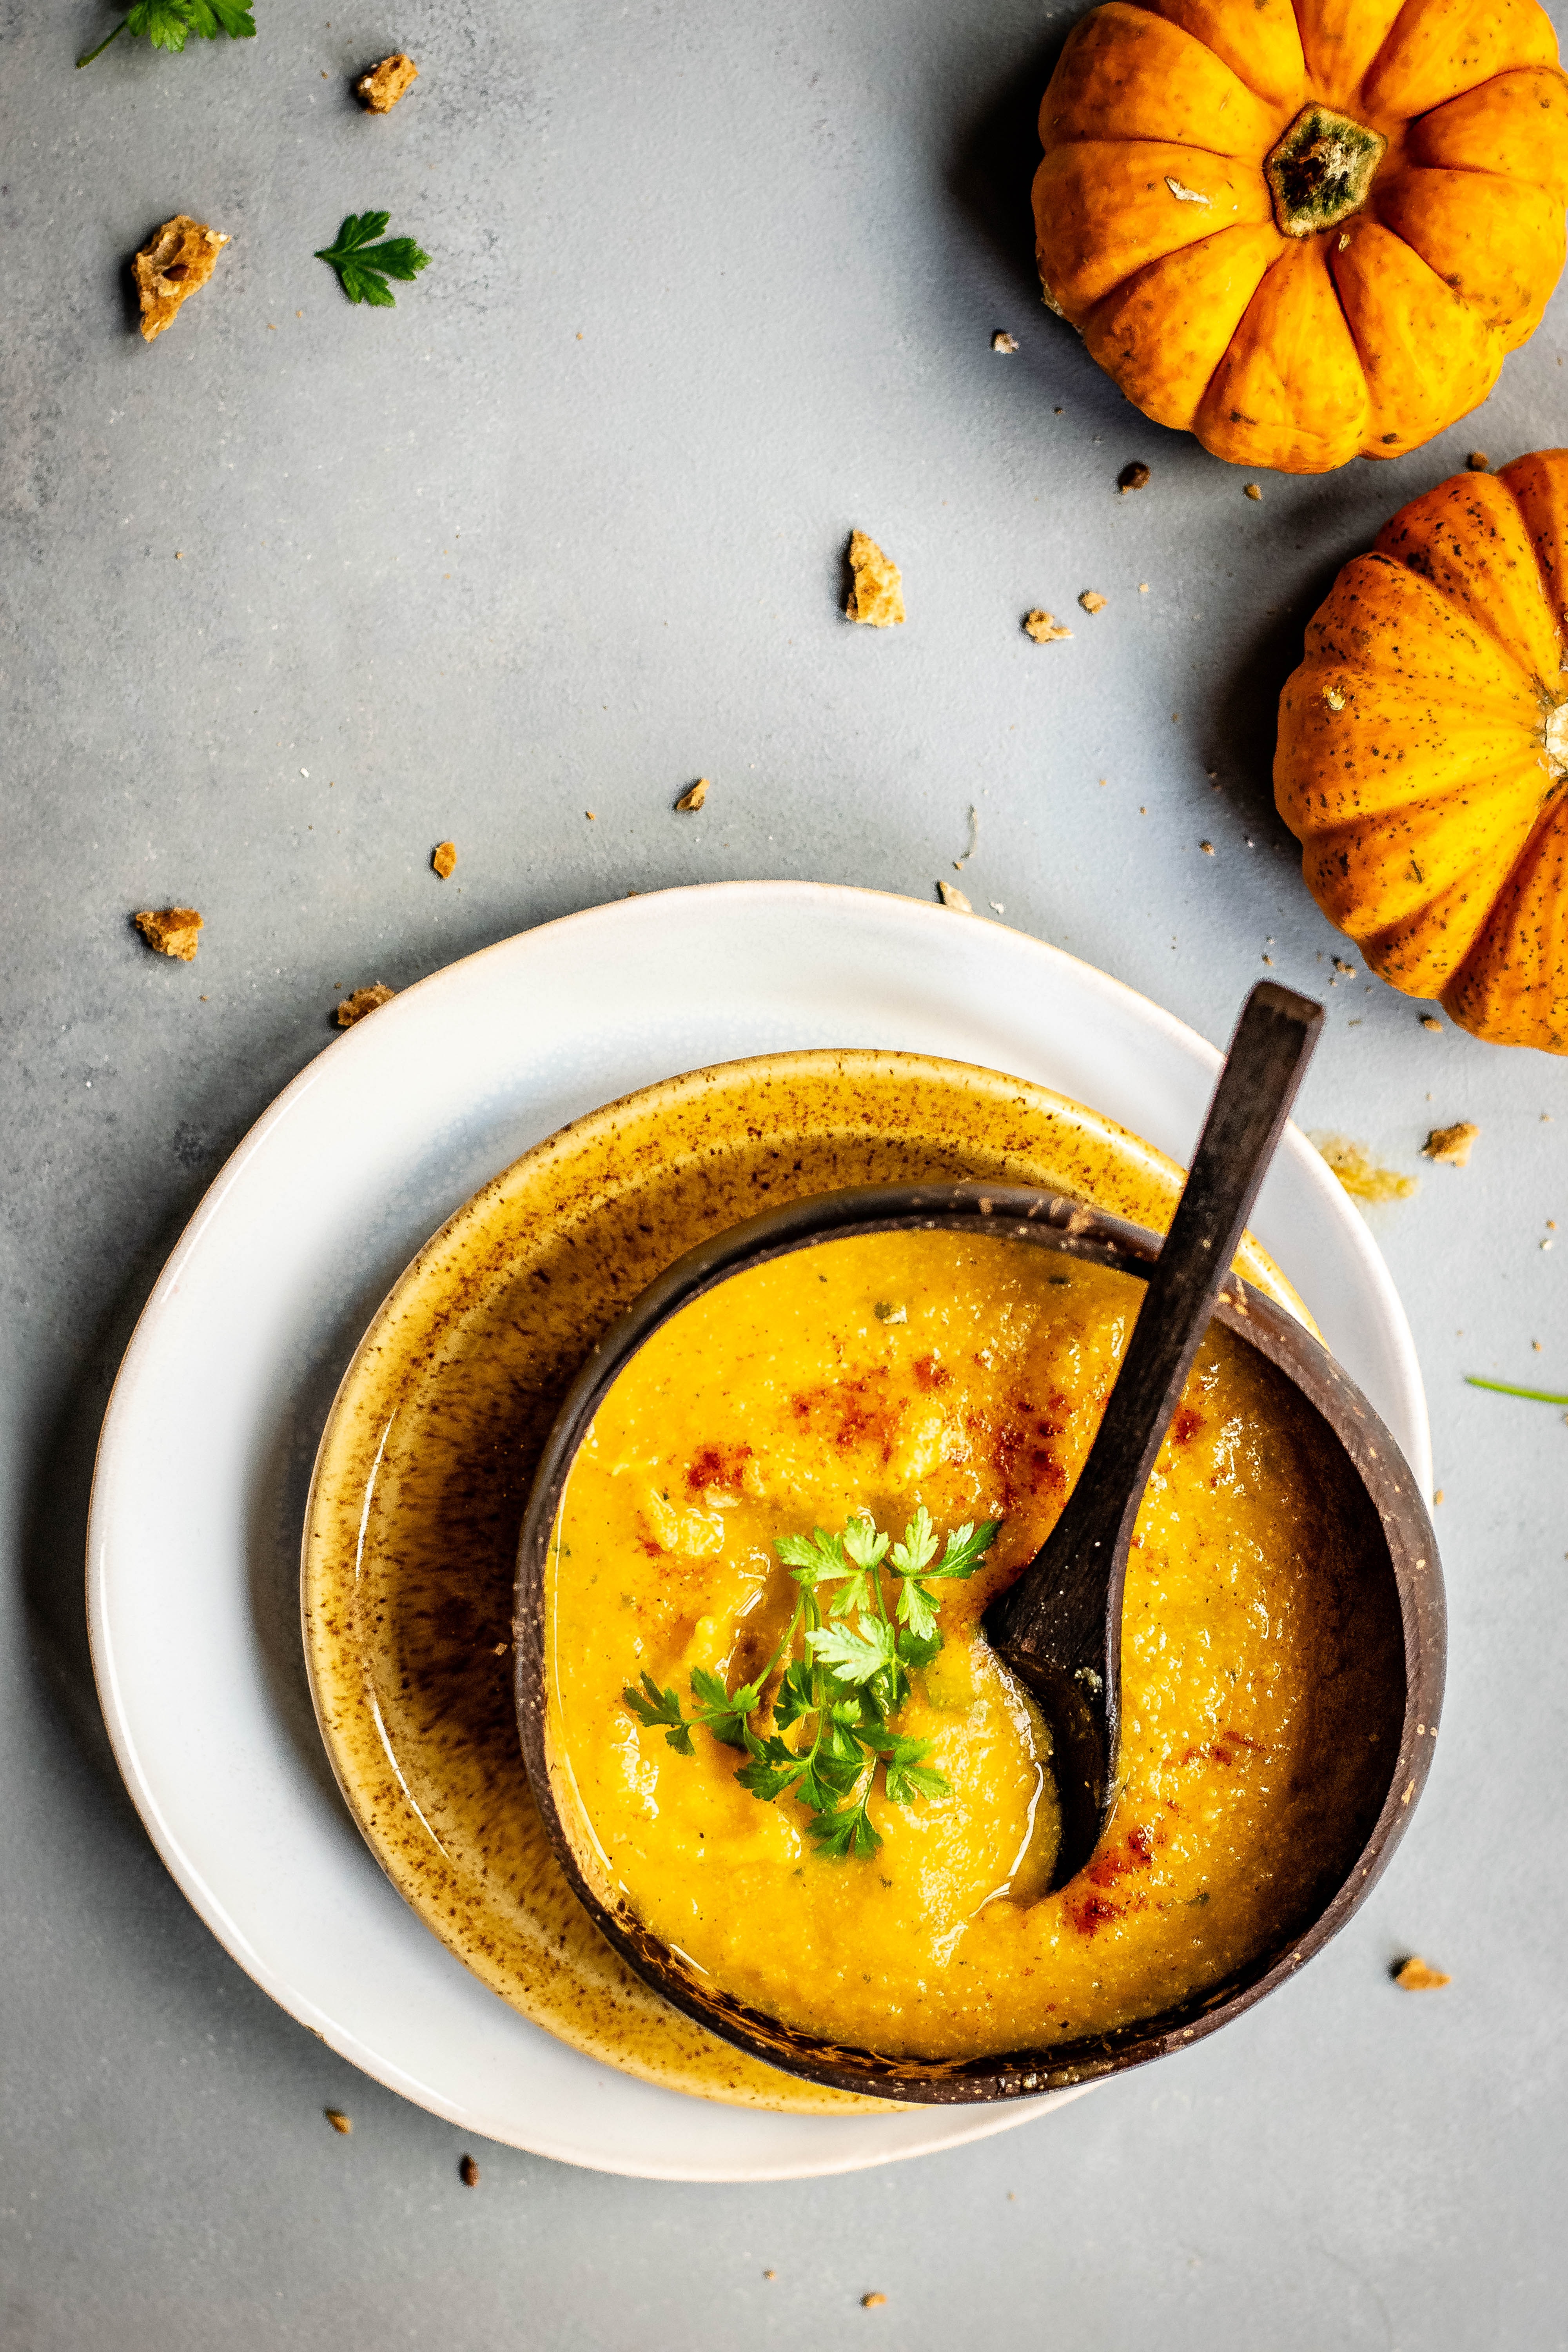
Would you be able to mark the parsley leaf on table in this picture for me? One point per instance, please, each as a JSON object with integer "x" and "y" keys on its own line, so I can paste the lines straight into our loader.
{"x": 169, "y": 24}
{"x": 364, "y": 267}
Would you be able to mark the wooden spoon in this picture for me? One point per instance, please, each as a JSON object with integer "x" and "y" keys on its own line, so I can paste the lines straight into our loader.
{"x": 1059, "y": 1628}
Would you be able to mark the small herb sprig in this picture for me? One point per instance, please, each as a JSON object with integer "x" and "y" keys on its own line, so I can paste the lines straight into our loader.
{"x": 839, "y": 1698}
{"x": 363, "y": 267}
{"x": 1506, "y": 1388}
{"x": 169, "y": 24}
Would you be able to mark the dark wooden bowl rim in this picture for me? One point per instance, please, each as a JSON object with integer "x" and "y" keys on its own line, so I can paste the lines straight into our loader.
{"x": 1053, "y": 1222}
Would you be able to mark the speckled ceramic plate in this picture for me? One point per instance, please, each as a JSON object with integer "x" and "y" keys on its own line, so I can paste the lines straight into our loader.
{"x": 210, "y": 1435}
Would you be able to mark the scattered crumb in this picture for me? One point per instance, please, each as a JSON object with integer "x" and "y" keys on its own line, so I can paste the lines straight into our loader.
{"x": 875, "y": 2302}
{"x": 1414, "y": 1975}
{"x": 469, "y": 2173}
{"x": 592, "y": 815}
{"x": 444, "y": 858}
{"x": 364, "y": 999}
{"x": 1092, "y": 601}
{"x": 1268, "y": 959}
{"x": 1003, "y": 342}
{"x": 960, "y": 863}
{"x": 1252, "y": 490}
{"x": 1477, "y": 461}
{"x": 1357, "y": 1171}
{"x": 1341, "y": 965}
{"x": 173, "y": 931}
{"x": 1430, "y": 1021}
{"x": 385, "y": 84}
{"x": 951, "y": 895}
{"x": 770, "y": 2274}
{"x": 175, "y": 261}
{"x": 1043, "y": 627}
{"x": 996, "y": 905}
{"x": 692, "y": 801}
{"x": 1438, "y": 1497}
{"x": 1535, "y": 1344}
{"x": 1452, "y": 1145}
{"x": 1133, "y": 476}
{"x": 1207, "y": 848}
{"x": 338, "y": 2120}
{"x": 1143, "y": 587}
{"x": 877, "y": 595}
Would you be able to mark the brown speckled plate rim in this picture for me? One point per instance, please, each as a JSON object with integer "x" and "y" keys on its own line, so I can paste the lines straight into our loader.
{"x": 598, "y": 1128}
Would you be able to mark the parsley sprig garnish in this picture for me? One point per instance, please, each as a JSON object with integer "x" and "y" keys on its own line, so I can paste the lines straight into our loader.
{"x": 839, "y": 1698}
{"x": 169, "y": 24}
{"x": 363, "y": 267}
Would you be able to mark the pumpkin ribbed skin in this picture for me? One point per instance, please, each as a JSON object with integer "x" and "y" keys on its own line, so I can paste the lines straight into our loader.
{"x": 1158, "y": 238}
{"x": 1424, "y": 746}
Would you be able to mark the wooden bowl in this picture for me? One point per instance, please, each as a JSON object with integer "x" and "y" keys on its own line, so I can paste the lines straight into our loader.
{"x": 1399, "y": 1606}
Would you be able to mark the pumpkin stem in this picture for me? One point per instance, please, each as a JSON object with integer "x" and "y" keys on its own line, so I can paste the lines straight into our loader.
{"x": 1321, "y": 170}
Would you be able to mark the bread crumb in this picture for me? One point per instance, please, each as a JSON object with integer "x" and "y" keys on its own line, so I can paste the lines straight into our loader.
{"x": 1092, "y": 601}
{"x": 1479, "y": 462}
{"x": 385, "y": 84}
{"x": 1252, "y": 490}
{"x": 469, "y": 2173}
{"x": 1134, "y": 477}
{"x": 1143, "y": 587}
{"x": 1430, "y": 1021}
{"x": 951, "y": 895}
{"x": 1357, "y": 1171}
{"x": 338, "y": 2120}
{"x": 175, "y": 261}
{"x": 690, "y": 801}
{"x": 172, "y": 931}
{"x": 444, "y": 858}
{"x": 1207, "y": 848}
{"x": 1437, "y": 1497}
{"x": 1003, "y": 342}
{"x": 872, "y": 2302}
{"x": 364, "y": 999}
{"x": 1452, "y": 1145}
{"x": 770, "y": 2274}
{"x": 877, "y": 595}
{"x": 1043, "y": 627}
{"x": 1414, "y": 1975}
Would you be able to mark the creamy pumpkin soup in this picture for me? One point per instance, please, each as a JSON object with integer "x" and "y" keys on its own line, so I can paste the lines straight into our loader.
{"x": 774, "y": 1719}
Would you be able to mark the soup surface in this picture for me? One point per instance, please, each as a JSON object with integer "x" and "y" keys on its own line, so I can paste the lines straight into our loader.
{"x": 965, "y": 1376}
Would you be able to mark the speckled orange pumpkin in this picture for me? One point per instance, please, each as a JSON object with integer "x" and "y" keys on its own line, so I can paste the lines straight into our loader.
{"x": 1423, "y": 748}
{"x": 1304, "y": 232}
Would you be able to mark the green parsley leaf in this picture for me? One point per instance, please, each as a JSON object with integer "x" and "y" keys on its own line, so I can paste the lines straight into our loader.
{"x": 918, "y": 1650}
{"x": 794, "y": 1698}
{"x": 722, "y": 1712}
{"x": 772, "y": 1771}
{"x": 854, "y": 1657}
{"x": 919, "y": 1546}
{"x": 966, "y": 1548}
{"x": 659, "y": 1709}
{"x": 845, "y": 1833}
{"x": 169, "y": 24}
{"x": 363, "y": 267}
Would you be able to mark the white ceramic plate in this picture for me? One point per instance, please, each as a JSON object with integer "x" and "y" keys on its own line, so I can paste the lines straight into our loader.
{"x": 193, "y": 1542}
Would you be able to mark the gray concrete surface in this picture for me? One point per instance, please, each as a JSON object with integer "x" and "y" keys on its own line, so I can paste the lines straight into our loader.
{"x": 303, "y": 589}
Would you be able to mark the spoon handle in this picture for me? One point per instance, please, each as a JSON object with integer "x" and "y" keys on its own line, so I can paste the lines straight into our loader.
{"x": 1066, "y": 1608}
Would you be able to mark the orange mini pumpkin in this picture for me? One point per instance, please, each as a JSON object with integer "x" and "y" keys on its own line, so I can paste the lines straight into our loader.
{"x": 1305, "y": 232}
{"x": 1424, "y": 744}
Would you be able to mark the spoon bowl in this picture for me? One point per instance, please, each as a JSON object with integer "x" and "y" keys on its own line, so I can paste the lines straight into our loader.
{"x": 1399, "y": 1604}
